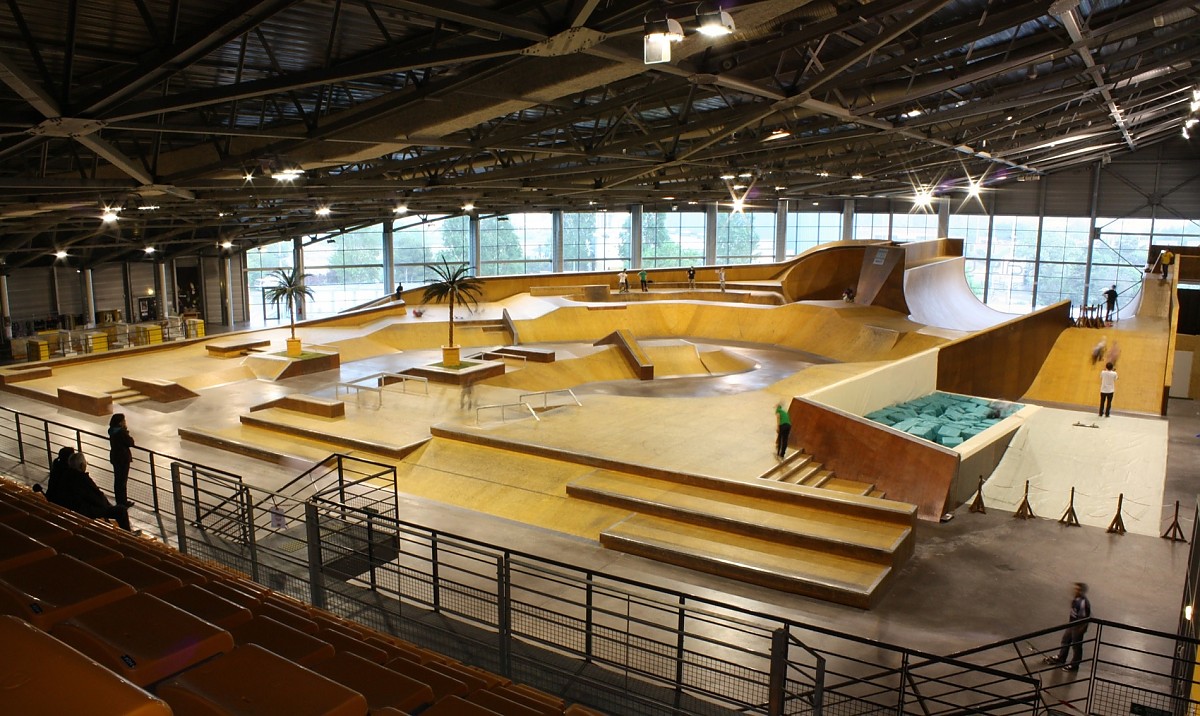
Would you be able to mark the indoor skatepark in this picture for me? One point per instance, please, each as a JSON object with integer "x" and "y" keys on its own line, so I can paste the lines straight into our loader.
{"x": 609, "y": 468}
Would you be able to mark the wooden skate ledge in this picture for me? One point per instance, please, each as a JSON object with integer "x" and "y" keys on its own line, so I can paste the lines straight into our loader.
{"x": 233, "y": 347}
{"x": 307, "y": 404}
{"x": 92, "y": 402}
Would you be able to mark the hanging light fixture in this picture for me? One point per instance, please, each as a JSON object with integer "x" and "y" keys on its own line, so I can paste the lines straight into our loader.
{"x": 714, "y": 23}
{"x": 661, "y": 32}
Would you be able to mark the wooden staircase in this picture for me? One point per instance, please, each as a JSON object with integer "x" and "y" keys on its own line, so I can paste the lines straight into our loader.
{"x": 800, "y": 468}
{"x": 126, "y": 396}
{"x": 831, "y": 545}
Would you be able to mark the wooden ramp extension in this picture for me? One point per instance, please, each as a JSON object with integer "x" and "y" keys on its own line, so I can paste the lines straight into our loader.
{"x": 828, "y": 545}
{"x": 800, "y": 468}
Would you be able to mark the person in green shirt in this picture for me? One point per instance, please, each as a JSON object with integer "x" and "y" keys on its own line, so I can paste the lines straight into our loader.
{"x": 642, "y": 278}
{"x": 784, "y": 429}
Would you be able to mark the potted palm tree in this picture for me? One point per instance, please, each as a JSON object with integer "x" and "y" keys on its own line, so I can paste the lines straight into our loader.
{"x": 454, "y": 284}
{"x": 289, "y": 287}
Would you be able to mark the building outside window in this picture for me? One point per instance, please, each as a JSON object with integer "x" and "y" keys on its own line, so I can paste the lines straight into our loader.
{"x": 418, "y": 241}
{"x": 260, "y": 262}
{"x": 916, "y": 225}
{"x": 516, "y": 244}
{"x": 672, "y": 238}
{"x": 973, "y": 229}
{"x": 1062, "y": 260}
{"x": 745, "y": 237}
{"x": 1011, "y": 263}
{"x": 806, "y": 229}
{"x": 345, "y": 270}
{"x": 875, "y": 227}
{"x": 596, "y": 241}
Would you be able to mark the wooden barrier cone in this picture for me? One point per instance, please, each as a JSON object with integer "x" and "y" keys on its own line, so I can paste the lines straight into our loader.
{"x": 977, "y": 504}
{"x": 1025, "y": 512}
{"x": 1117, "y": 526}
{"x": 1174, "y": 531}
{"x": 1069, "y": 519}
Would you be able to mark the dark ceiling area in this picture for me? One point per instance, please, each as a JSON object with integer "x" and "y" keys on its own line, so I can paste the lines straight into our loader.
{"x": 243, "y": 121}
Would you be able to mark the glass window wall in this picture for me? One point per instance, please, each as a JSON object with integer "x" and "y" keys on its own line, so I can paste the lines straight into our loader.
{"x": 516, "y": 244}
{"x": 806, "y": 229}
{"x": 745, "y": 237}
{"x": 596, "y": 241}
{"x": 673, "y": 238}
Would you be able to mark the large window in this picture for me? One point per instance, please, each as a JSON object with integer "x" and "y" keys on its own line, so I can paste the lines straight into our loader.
{"x": 345, "y": 271}
{"x": 420, "y": 240}
{"x": 516, "y": 243}
{"x": 1062, "y": 259}
{"x": 596, "y": 241}
{"x": 973, "y": 230}
{"x": 1011, "y": 264}
{"x": 260, "y": 262}
{"x": 745, "y": 237}
{"x": 806, "y": 229}
{"x": 674, "y": 238}
{"x": 1119, "y": 257}
{"x": 873, "y": 226}
{"x": 916, "y": 225}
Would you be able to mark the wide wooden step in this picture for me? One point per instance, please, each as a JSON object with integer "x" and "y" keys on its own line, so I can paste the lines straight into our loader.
{"x": 850, "y": 487}
{"x": 760, "y": 517}
{"x": 808, "y": 572}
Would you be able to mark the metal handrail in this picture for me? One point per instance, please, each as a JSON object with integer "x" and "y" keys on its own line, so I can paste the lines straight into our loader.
{"x": 502, "y": 406}
{"x": 545, "y": 395}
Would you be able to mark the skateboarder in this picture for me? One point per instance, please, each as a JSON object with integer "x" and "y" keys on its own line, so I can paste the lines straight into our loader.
{"x": 1072, "y": 638}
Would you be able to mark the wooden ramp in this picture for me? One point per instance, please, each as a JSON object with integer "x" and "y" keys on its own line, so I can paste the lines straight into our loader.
{"x": 829, "y": 545}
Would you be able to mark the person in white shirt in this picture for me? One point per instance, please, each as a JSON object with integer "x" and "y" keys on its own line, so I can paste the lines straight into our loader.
{"x": 1108, "y": 386}
{"x": 622, "y": 282}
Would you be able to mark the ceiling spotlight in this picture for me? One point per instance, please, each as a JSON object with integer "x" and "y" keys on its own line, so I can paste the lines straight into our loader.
{"x": 728, "y": 177}
{"x": 855, "y": 176}
{"x": 322, "y": 211}
{"x": 289, "y": 175}
{"x": 923, "y": 198}
{"x": 739, "y": 205}
{"x": 468, "y": 207}
{"x": 60, "y": 254}
{"x": 777, "y": 135}
{"x": 149, "y": 250}
{"x": 973, "y": 189}
{"x": 746, "y": 175}
{"x": 401, "y": 209}
{"x": 660, "y": 33}
{"x": 912, "y": 113}
{"x": 714, "y": 23}
{"x": 227, "y": 244}
{"x": 109, "y": 216}
{"x": 781, "y": 188}
{"x": 148, "y": 207}
{"x": 221, "y": 214}
{"x": 822, "y": 174}
{"x": 248, "y": 176}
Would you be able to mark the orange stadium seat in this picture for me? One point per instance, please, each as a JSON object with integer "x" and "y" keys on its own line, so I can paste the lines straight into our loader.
{"x": 304, "y": 649}
{"x": 381, "y": 686}
{"x": 17, "y": 549}
{"x": 208, "y": 606}
{"x": 58, "y": 587}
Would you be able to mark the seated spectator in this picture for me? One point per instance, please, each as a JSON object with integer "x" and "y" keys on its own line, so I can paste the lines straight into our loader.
{"x": 58, "y": 471}
{"x": 79, "y": 493}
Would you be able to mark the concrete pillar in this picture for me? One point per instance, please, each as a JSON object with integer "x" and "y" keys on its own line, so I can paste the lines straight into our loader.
{"x": 473, "y": 243}
{"x": 298, "y": 262}
{"x": 847, "y": 219}
{"x": 89, "y": 299}
{"x": 710, "y": 233}
{"x": 389, "y": 259}
{"x": 556, "y": 241}
{"x": 160, "y": 289}
{"x": 781, "y": 214}
{"x": 227, "y": 289}
{"x": 943, "y": 229}
{"x": 5, "y": 309}
{"x": 635, "y": 236}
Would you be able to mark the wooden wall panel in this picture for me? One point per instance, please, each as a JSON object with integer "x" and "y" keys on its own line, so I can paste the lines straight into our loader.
{"x": 906, "y": 468}
{"x": 1002, "y": 362}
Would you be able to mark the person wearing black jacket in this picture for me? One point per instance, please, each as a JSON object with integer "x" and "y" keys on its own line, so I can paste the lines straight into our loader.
{"x": 1072, "y": 638}
{"x": 120, "y": 454}
{"x": 58, "y": 471}
{"x": 78, "y": 492}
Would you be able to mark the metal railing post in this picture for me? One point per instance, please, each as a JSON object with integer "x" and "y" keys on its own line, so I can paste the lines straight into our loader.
{"x": 177, "y": 497}
{"x": 589, "y": 593}
{"x": 504, "y": 613}
{"x": 153, "y": 480}
{"x": 434, "y": 573}
{"x": 20, "y": 440}
{"x": 777, "y": 679}
{"x": 312, "y": 531}
{"x": 371, "y": 543}
{"x": 248, "y": 525}
{"x": 341, "y": 480}
{"x": 901, "y": 690}
{"x": 680, "y": 646}
{"x": 49, "y": 448}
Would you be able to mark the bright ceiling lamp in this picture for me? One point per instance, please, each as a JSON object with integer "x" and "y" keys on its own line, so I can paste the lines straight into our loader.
{"x": 149, "y": 250}
{"x": 714, "y": 23}
{"x": 660, "y": 34}
{"x": 227, "y": 244}
{"x": 739, "y": 205}
{"x": 923, "y": 199}
{"x": 323, "y": 211}
{"x": 60, "y": 254}
{"x": 468, "y": 207}
{"x": 288, "y": 175}
{"x": 777, "y": 135}
{"x": 109, "y": 215}
{"x": 400, "y": 210}
{"x": 973, "y": 188}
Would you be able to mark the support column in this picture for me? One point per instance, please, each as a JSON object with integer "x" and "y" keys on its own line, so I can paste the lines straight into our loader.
{"x": 127, "y": 292}
{"x": 1093, "y": 234}
{"x": 5, "y": 308}
{"x": 847, "y": 219}
{"x": 473, "y": 243}
{"x": 943, "y": 229}
{"x": 160, "y": 289}
{"x": 389, "y": 259}
{"x": 298, "y": 262}
{"x": 781, "y": 227}
{"x": 89, "y": 299}
{"x": 556, "y": 241}
{"x": 635, "y": 236}
{"x": 710, "y": 233}
{"x": 227, "y": 289}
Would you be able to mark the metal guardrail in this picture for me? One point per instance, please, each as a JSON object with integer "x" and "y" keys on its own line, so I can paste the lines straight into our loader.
{"x": 545, "y": 396}
{"x": 334, "y": 538}
{"x": 503, "y": 407}
{"x": 381, "y": 381}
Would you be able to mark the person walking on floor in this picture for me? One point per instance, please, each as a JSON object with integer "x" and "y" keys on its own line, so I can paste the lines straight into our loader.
{"x": 623, "y": 282}
{"x": 120, "y": 454}
{"x": 783, "y": 430}
{"x": 1108, "y": 386}
{"x": 691, "y": 277}
{"x": 1110, "y": 303}
{"x": 721, "y": 278}
{"x": 642, "y": 278}
{"x": 1072, "y": 638}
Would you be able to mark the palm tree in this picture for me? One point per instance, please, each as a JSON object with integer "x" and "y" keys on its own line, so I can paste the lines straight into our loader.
{"x": 289, "y": 287}
{"x": 454, "y": 284}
